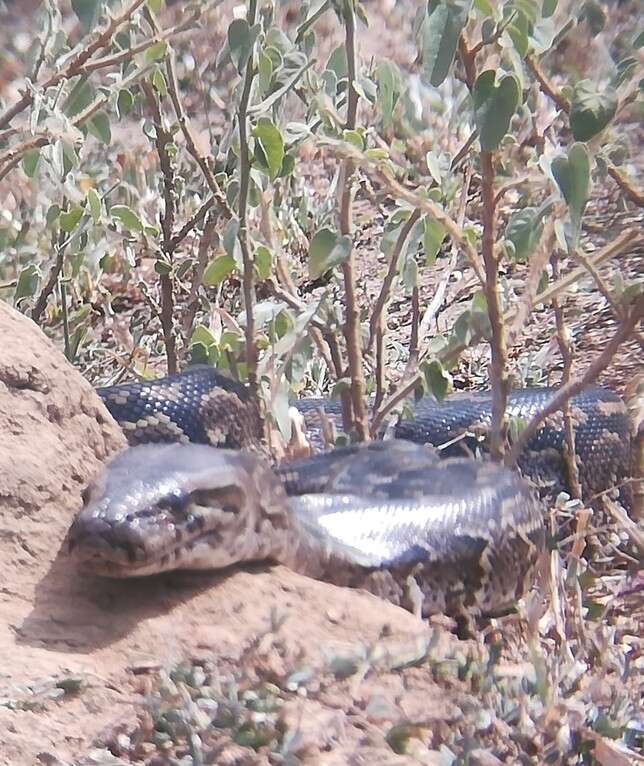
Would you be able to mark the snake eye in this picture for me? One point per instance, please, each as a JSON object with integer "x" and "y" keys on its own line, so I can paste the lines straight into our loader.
{"x": 175, "y": 503}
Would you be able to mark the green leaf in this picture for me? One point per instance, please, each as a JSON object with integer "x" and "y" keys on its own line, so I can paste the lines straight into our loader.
{"x": 218, "y": 269}
{"x": 389, "y": 87}
{"x": 86, "y": 12}
{"x": 269, "y": 147}
{"x": 70, "y": 218}
{"x": 240, "y": 43}
{"x": 548, "y": 8}
{"x": 572, "y": 174}
{"x": 52, "y": 215}
{"x": 94, "y": 205}
{"x": 433, "y": 235}
{"x": 409, "y": 273}
{"x": 485, "y": 7}
{"x": 162, "y": 267}
{"x": 230, "y": 241}
{"x": 263, "y": 262}
{"x": 28, "y": 281}
{"x": 314, "y": 12}
{"x": 328, "y": 248}
{"x": 594, "y": 15}
{"x": 202, "y": 334}
{"x": 523, "y": 231}
{"x": 158, "y": 82}
{"x": 124, "y": 102}
{"x": 155, "y": 52}
{"x": 519, "y": 31}
{"x": 99, "y": 126}
{"x": 337, "y": 63}
{"x": 494, "y": 106}
{"x": 442, "y": 28}
{"x": 126, "y": 217}
{"x": 437, "y": 379}
{"x": 280, "y": 413}
{"x": 265, "y": 71}
{"x": 80, "y": 96}
{"x": 156, "y": 6}
{"x": 30, "y": 162}
{"x": 591, "y": 110}
{"x": 354, "y": 137}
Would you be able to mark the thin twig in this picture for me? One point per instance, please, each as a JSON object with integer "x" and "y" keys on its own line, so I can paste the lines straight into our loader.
{"x": 439, "y": 294}
{"x": 635, "y": 196}
{"x": 162, "y": 140}
{"x": 376, "y": 170}
{"x": 191, "y": 144}
{"x": 610, "y": 251}
{"x": 203, "y": 251}
{"x": 463, "y": 151}
{"x": 196, "y": 219}
{"x": 538, "y": 261}
{"x": 101, "y": 40}
{"x": 52, "y": 279}
{"x": 624, "y": 330}
{"x": 415, "y": 327}
{"x": 567, "y": 356}
{"x": 392, "y": 270}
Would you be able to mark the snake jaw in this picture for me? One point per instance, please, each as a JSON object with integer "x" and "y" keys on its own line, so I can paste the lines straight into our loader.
{"x": 159, "y": 508}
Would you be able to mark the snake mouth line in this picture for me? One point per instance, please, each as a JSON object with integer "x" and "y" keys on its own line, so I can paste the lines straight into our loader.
{"x": 102, "y": 555}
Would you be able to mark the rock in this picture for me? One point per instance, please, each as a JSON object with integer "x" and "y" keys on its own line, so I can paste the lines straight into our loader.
{"x": 56, "y": 624}
{"x": 55, "y": 434}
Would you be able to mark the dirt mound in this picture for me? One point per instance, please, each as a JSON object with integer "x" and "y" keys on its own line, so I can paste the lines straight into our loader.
{"x": 76, "y": 645}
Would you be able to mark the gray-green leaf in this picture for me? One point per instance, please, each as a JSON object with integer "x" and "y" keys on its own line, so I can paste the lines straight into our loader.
{"x": 572, "y": 174}
{"x": 28, "y": 281}
{"x": 442, "y": 28}
{"x": 218, "y": 269}
{"x": 433, "y": 235}
{"x": 523, "y": 231}
{"x": 126, "y": 217}
{"x": 494, "y": 106}
{"x": 437, "y": 379}
{"x": 240, "y": 43}
{"x": 591, "y": 110}
{"x": 328, "y": 248}
{"x": 269, "y": 147}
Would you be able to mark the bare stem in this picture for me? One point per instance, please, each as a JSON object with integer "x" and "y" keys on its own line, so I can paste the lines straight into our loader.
{"x": 248, "y": 281}
{"x": 498, "y": 346}
{"x": 52, "y": 279}
{"x": 351, "y": 321}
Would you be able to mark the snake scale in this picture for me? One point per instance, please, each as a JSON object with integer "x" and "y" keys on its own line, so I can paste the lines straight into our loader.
{"x": 434, "y": 532}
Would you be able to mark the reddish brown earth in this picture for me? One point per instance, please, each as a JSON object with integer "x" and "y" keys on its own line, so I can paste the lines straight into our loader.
{"x": 55, "y": 624}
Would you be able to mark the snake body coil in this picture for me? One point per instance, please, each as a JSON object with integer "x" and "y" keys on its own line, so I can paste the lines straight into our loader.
{"x": 436, "y": 535}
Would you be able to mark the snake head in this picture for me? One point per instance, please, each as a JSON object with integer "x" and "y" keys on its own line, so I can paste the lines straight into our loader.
{"x": 156, "y": 508}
